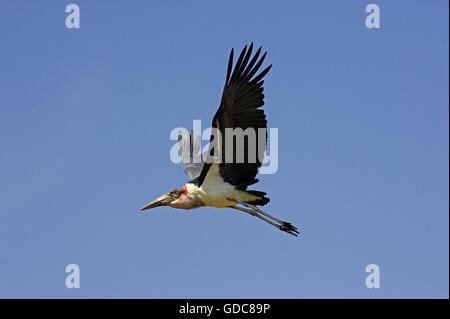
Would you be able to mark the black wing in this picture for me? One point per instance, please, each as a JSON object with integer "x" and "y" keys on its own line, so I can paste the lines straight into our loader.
{"x": 239, "y": 108}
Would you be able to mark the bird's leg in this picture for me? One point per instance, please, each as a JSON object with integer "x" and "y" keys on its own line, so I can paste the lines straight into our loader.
{"x": 253, "y": 213}
{"x": 260, "y": 211}
{"x": 284, "y": 226}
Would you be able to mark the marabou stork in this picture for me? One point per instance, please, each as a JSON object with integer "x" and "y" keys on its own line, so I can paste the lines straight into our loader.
{"x": 218, "y": 183}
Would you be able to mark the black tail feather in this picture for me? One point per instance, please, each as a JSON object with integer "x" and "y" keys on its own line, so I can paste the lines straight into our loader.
{"x": 262, "y": 201}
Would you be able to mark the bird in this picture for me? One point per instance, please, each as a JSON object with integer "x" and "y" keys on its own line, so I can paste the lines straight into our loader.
{"x": 218, "y": 177}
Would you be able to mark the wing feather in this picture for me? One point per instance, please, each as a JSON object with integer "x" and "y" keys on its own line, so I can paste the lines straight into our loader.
{"x": 189, "y": 150}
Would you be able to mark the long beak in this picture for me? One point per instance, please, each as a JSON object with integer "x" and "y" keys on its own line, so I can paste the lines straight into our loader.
{"x": 164, "y": 200}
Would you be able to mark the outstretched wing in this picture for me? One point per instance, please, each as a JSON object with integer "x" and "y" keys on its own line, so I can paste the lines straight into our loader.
{"x": 242, "y": 98}
{"x": 189, "y": 150}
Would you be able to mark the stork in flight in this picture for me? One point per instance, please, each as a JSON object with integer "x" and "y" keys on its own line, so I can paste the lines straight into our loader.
{"x": 217, "y": 182}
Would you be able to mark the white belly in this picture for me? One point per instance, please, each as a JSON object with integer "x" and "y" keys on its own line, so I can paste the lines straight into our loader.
{"x": 214, "y": 191}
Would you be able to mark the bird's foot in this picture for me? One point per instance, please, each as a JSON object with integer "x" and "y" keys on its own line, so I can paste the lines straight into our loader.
{"x": 289, "y": 228}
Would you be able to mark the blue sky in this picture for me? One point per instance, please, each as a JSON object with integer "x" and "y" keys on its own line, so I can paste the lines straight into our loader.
{"x": 85, "y": 117}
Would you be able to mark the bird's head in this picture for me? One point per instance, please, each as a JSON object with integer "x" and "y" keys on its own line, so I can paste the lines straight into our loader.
{"x": 166, "y": 199}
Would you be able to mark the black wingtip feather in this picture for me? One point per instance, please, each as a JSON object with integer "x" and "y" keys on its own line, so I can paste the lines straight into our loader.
{"x": 245, "y": 61}
{"x": 262, "y": 74}
{"x": 252, "y": 63}
{"x": 238, "y": 63}
{"x": 257, "y": 66}
{"x": 230, "y": 66}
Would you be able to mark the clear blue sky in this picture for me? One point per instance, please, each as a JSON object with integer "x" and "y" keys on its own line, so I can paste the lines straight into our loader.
{"x": 85, "y": 117}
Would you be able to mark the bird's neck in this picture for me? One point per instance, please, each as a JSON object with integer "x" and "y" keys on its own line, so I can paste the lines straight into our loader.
{"x": 186, "y": 202}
